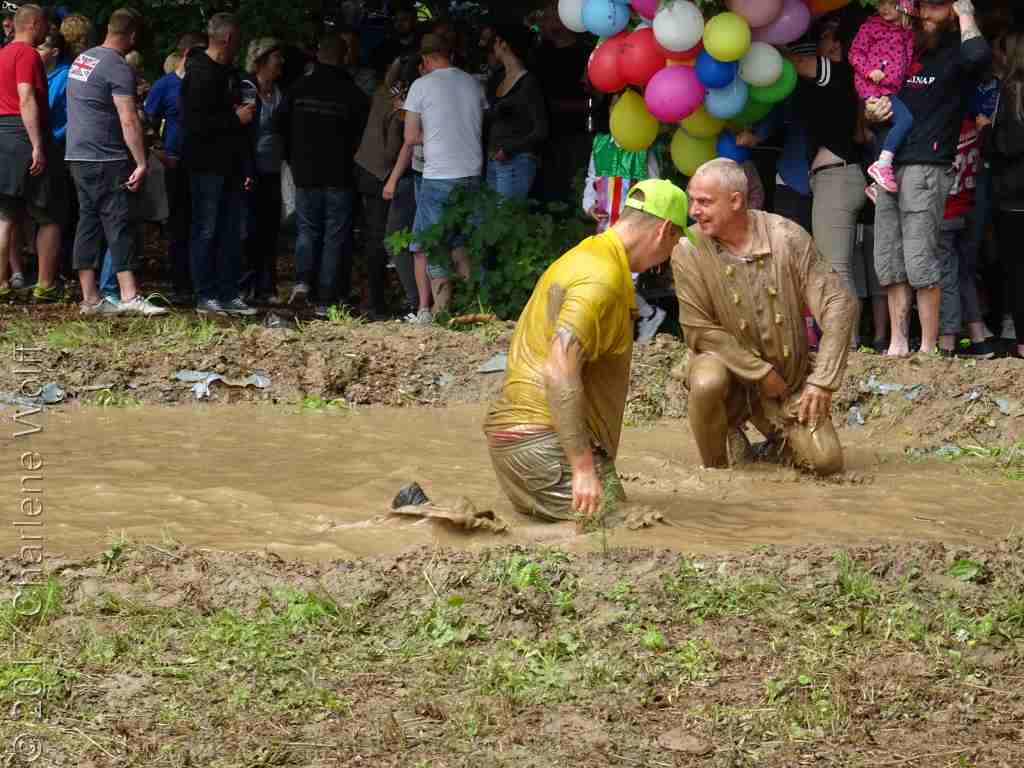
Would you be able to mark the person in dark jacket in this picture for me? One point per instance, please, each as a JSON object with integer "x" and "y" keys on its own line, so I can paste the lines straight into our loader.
{"x": 382, "y": 141}
{"x": 264, "y": 63}
{"x": 907, "y": 258}
{"x": 517, "y": 122}
{"x": 215, "y": 152}
{"x": 1008, "y": 167}
{"x": 321, "y": 121}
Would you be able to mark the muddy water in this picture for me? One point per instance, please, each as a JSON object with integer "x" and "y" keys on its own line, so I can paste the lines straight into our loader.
{"x": 316, "y": 485}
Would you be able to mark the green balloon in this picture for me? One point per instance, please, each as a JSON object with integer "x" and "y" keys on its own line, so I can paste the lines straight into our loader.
{"x": 754, "y": 112}
{"x": 779, "y": 90}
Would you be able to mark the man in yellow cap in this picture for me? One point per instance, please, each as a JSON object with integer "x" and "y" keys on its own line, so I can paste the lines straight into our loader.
{"x": 554, "y": 431}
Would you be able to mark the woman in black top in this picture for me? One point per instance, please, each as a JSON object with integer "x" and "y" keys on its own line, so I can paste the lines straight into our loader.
{"x": 1008, "y": 169}
{"x": 517, "y": 122}
{"x": 837, "y": 181}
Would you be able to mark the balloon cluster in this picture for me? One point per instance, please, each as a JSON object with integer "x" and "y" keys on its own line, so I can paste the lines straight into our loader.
{"x": 713, "y": 78}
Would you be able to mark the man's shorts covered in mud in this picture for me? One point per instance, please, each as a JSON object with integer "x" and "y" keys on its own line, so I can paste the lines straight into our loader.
{"x": 536, "y": 476}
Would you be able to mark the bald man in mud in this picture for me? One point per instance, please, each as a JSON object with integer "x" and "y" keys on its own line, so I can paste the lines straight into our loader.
{"x": 554, "y": 431}
{"x": 742, "y": 289}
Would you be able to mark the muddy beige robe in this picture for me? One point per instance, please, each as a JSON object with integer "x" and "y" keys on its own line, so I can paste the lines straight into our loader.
{"x": 747, "y": 309}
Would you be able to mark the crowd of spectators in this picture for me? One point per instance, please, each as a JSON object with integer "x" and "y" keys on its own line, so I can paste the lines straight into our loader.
{"x": 901, "y": 151}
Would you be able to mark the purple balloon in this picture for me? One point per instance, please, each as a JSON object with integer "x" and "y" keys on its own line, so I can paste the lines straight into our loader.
{"x": 789, "y": 26}
{"x": 674, "y": 93}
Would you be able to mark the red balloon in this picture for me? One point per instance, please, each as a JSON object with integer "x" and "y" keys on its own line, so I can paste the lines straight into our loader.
{"x": 604, "y": 70}
{"x": 641, "y": 58}
{"x": 690, "y": 55}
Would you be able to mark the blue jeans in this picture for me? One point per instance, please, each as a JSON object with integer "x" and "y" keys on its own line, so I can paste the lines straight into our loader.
{"x": 512, "y": 178}
{"x": 108, "y": 279}
{"x": 902, "y": 123}
{"x": 431, "y": 199}
{"x": 216, "y": 244}
{"x": 323, "y": 249}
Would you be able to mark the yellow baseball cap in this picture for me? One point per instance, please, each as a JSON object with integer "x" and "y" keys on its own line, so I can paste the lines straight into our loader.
{"x": 662, "y": 198}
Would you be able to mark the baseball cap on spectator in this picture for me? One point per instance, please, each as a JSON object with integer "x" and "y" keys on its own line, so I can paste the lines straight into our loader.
{"x": 432, "y": 44}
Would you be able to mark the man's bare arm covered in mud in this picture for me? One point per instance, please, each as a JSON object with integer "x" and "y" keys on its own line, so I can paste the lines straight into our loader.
{"x": 563, "y": 384}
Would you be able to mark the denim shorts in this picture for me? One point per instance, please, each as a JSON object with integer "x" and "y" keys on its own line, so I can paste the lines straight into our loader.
{"x": 431, "y": 197}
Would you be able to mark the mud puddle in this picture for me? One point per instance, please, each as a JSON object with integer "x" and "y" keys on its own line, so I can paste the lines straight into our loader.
{"x": 317, "y": 486}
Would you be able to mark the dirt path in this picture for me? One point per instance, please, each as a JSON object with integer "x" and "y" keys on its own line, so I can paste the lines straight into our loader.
{"x": 158, "y": 655}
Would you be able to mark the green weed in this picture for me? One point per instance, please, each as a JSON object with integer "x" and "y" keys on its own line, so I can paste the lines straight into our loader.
{"x": 704, "y": 598}
{"x": 854, "y": 583}
{"x": 445, "y": 624}
{"x": 108, "y": 398}
{"x": 319, "y": 404}
{"x": 696, "y": 659}
{"x": 37, "y": 605}
{"x": 340, "y": 314}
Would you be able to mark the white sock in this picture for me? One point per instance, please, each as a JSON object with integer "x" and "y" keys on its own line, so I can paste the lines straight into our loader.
{"x": 886, "y": 157}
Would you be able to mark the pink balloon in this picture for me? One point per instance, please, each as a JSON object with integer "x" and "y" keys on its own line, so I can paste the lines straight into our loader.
{"x": 789, "y": 26}
{"x": 758, "y": 13}
{"x": 646, "y": 8}
{"x": 674, "y": 93}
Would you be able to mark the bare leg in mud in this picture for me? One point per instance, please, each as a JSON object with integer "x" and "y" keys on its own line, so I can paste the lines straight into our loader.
{"x": 899, "y": 314}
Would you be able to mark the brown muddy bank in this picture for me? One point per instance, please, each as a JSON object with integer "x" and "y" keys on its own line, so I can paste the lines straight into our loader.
{"x": 125, "y": 361}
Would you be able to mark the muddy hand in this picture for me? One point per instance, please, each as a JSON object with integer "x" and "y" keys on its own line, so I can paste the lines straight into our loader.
{"x": 586, "y": 492}
{"x": 815, "y": 405}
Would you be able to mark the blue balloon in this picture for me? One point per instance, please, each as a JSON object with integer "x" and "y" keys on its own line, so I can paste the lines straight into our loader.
{"x": 605, "y": 18}
{"x": 725, "y": 103}
{"x": 727, "y": 147}
{"x": 713, "y": 73}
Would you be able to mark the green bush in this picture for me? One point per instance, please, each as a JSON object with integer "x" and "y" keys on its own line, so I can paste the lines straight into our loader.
{"x": 521, "y": 237}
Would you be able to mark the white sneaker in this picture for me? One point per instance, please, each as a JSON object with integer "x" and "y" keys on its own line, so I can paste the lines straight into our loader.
{"x": 648, "y": 327}
{"x": 423, "y": 317}
{"x": 102, "y": 307}
{"x": 210, "y": 307}
{"x": 299, "y": 293}
{"x": 1009, "y": 331}
{"x": 238, "y": 307}
{"x": 140, "y": 306}
{"x": 17, "y": 281}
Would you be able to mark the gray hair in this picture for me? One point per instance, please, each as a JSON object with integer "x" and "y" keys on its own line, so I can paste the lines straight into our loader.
{"x": 729, "y": 173}
{"x": 221, "y": 25}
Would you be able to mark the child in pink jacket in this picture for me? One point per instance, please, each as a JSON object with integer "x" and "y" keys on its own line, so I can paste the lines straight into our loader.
{"x": 881, "y": 55}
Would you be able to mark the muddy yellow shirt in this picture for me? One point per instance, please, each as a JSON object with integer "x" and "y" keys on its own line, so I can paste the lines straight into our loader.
{"x": 588, "y": 291}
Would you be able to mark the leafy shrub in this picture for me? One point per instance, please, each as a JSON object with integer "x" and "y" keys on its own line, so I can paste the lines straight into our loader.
{"x": 515, "y": 240}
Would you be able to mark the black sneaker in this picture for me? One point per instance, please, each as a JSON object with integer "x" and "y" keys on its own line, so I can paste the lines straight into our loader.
{"x": 979, "y": 350}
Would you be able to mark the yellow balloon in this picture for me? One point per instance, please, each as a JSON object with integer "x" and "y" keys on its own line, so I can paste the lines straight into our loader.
{"x": 632, "y": 126}
{"x": 727, "y": 37}
{"x": 690, "y": 153}
{"x": 702, "y": 124}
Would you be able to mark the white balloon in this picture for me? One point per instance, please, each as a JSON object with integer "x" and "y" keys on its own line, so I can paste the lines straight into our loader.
{"x": 762, "y": 65}
{"x": 679, "y": 26}
{"x": 571, "y": 14}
